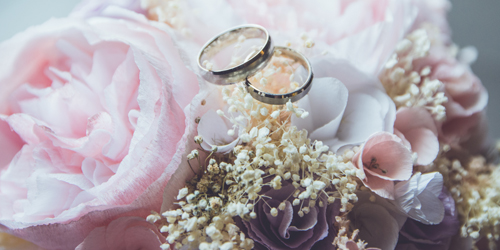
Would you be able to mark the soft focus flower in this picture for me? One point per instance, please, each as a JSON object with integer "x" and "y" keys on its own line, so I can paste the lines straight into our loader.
{"x": 92, "y": 116}
{"x": 417, "y": 126}
{"x": 382, "y": 160}
{"x": 467, "y": 97}
{"x": 346, "y": 111}
{"x": 378, "y": 220}
{"x": 434, "y": 237}
{"x": 418, "y": 197}
{"x": 433, "y": 12}
{"x": 288, "y": 230}
{"x": 88, "y": 8}
{"x": 124, "y": 233}
{"x": 363, "y": 32}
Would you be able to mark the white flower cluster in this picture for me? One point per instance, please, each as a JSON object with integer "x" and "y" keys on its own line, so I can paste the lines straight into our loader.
{"x": 344, "y": 240}
{"x": 411, "y": 88}
{"x": 476, "y": 191}
{"x": 204, "y": 220}
{"x": 272, "y": 154}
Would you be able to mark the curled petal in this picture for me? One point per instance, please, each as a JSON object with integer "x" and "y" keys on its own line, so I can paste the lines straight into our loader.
{"x": 325, "y": 102}
{"x": 213, "y": 129}
{"x": 419, "y": 197}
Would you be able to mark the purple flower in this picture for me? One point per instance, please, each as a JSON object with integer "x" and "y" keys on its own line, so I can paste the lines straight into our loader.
{"x": 288, "y": 230}
{"x": 415, "y": 235}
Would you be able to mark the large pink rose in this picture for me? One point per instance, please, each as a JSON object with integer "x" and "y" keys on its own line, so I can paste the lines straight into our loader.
{"x": 467, "y": 97}
{"x": 92, "y": 125}
{"x": 128, "y": 233}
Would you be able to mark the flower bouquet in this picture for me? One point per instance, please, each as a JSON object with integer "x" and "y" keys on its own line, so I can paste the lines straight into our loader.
{"x": 113, "y": 135}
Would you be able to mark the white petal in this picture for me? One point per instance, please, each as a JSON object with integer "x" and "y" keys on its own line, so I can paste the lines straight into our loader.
{"x": 325, "y": 103}
{"x": 418, "y": 197}
{"x": 432, "y": 182}
{"x": 432, "y": 210}
{"x": 213, "y": 129}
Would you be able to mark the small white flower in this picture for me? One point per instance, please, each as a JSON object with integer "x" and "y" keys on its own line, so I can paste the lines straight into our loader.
{"x": 274, "y": 212}
{"x": 182, "y": 193}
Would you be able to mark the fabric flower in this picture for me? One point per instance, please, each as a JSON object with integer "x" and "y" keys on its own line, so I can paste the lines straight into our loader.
{"x": 418, "y": 197}
{"x": 93, "y": 116}
{"x": 124, "y": 233}
{"x": 378, "y": 220}
{"x": 346, "y": 111}
{"x": 417, "y": 126}
{"x": 382, "y": 160}
{"x": 420, "y": 236}
{"x": 288, "y": 230}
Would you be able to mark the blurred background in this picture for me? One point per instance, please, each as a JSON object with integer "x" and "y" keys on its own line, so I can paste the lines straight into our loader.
{"x": 474, "y": 23}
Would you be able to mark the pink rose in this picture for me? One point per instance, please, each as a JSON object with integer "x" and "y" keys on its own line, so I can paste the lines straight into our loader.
{"x": 124, "y": 233}
{"x": 382, "y": 160}
{"x": 91, "y": 125}
{"x": 445, "y": 86}
{"x": 467, "y": 97}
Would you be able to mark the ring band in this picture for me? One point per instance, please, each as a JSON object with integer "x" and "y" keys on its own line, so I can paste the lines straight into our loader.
{"x": 280, "y": 99}
{"x": 239, "y": 72}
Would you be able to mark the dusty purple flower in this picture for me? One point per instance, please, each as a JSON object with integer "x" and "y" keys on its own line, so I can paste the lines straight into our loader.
{"x": 415, "y": 235}
{"x": 288, "y": 230}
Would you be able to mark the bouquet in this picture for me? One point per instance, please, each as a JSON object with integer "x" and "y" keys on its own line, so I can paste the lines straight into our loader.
{"x": 112, "y": 138}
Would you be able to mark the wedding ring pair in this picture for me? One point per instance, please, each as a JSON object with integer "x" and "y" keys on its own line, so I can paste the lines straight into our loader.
{"x": 244, "y": 69}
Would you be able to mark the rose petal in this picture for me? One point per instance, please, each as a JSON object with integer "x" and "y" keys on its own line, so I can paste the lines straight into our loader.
{"x": 124, "y": 233}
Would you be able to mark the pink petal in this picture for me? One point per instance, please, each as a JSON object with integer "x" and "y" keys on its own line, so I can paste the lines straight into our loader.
{"x": 411, "y": 118}
{"x": 124, "y": 233}
{"x": 391, "y": 156}
{"x": 10, "y": 143}
{"x": 384, "y": 188}
{"x": 425, "y": 143}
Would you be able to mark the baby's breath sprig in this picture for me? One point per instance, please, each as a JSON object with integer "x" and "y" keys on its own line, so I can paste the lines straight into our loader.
{"x": 343, "y": 236}
{"x": 409, "y": 87}
{"x": 272, "y": 154}
{"x": 472, "y": 181}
